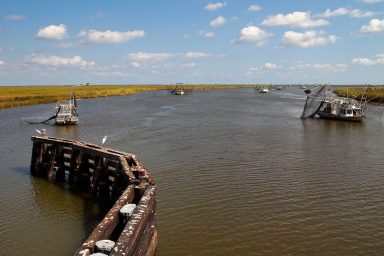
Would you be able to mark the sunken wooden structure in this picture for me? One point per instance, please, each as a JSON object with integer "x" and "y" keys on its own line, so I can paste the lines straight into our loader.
{"x": 109, "y": 174}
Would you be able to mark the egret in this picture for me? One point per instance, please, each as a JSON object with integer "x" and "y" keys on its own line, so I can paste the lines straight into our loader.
{"x": 103, "y": 141}
{"x": 42, "y": 131}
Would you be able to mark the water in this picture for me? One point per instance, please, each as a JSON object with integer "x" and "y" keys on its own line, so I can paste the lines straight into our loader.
{"x": 238, "y": 173}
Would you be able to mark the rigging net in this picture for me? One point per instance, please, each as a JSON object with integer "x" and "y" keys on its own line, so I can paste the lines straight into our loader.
{"x": 314, "y": 100}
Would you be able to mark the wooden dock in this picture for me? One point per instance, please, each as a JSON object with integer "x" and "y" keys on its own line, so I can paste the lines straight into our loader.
{"x": 129, "y": 228}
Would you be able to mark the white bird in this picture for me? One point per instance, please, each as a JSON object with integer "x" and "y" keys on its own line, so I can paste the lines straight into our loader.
{"x": 42, "y": 131}
{"x": 103, "y": 141}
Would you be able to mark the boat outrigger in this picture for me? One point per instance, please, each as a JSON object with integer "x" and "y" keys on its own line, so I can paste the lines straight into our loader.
{"x": 325, "y": 104}
{"x": 65, "y": 113}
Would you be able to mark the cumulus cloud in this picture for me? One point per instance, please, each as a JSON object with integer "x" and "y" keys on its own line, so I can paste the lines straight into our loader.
{"x": 254, "y": 8}
{"x": 252, "y": 34}
{"x": 219, "y": 21}
{"x": 369, "y": 61}
{"x": 294, "y": 19}
{"x": 374, "y": 26}
{"x": 307, "y": 39}
{"x": 105, "y": 37}
{"x": 59, "y": 61}
{"x": 342, "y": 11}
{"x": 14, "y": 17}
{"x": 52, "y": 32}
{"x": 215, "y": 6}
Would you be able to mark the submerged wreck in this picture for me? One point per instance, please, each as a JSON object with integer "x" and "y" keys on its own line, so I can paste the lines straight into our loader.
{"x": 129, "y": 228}
{"x": 325, "y": 104}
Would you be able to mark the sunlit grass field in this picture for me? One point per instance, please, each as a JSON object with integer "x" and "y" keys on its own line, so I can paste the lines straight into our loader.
{"x": 375, "y": 94}
{"x": 14, "y": 96}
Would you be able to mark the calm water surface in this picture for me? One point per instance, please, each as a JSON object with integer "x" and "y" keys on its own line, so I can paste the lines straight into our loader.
{"x": 238, "y": 173}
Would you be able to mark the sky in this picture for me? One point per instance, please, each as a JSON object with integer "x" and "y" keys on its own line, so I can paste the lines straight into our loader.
{"x": 71, "y": 42}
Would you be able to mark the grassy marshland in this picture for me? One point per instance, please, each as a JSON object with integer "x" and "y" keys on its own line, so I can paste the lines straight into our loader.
{"x": 14, "y": 96}
{"x": 375, "y": 94}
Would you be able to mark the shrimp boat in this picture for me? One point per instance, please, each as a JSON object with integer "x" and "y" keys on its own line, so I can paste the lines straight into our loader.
{"x": 325, "y": 104}
{"x": 180, "y": 89}
{"x": 65, "y": 113}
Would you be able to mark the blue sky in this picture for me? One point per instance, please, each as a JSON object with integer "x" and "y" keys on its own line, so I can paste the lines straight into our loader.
{"x": 191, "y": 41}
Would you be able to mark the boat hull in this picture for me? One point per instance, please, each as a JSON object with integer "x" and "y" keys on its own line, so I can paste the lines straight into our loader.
{"x": 67, "y": 120}
{"x": 339, "y": 117}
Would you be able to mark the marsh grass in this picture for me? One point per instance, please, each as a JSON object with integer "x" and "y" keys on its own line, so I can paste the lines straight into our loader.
{"x": 375, "y": 94}
{"x": 14, "y": 96}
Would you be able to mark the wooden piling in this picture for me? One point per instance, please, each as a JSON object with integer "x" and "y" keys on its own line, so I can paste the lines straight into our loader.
{"x": 106, "y": 173}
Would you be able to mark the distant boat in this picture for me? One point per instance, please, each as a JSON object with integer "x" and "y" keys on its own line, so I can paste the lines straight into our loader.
{"x": 326, "y": 104}
{"x": 180, "y": 89}
{"x": 263, "y": 90}
{"x": 65, "y": 113}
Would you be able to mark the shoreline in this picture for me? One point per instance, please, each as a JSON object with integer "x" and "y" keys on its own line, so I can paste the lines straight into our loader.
{"x": 16, "y": 96}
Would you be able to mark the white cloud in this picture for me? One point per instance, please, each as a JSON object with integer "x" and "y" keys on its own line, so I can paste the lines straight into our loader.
{"x": 374, "y": 26}
{"x": 209, "y": 34}
{"x": 328, "y": 67}
{"x": 103, "y": 37}
{"x": 269, "y": 66}
{"x": 356, "y": 13}
{"x": 368, "y": 61}
{"x": 295, "y": 19}
{"x": 215, "y": 6}
{"x": 342, "y": 11}
{"x": 219, "y": 21}
{"x": 14, "y": 17}
{"x": 307, "y": 39}
{"x": 262, "y": 69}
{"x": 206, "y": 33}
{"x": 337, "y": 12}
{"x": 52, "y": 32}
{"x": 59, "y": 61}
{"x": 252, "y": 34}
{"x": 193, "y": 55}
{"x": 179, "y": 65}
{"x": 2, "y": 62}
{"x": 254, "y": 8}
{"x": 140, "y": 58}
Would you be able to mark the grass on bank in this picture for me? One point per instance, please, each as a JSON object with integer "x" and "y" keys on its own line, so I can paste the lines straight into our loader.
{"x": 14, "y": 96}
{"x": 375, "y": 94}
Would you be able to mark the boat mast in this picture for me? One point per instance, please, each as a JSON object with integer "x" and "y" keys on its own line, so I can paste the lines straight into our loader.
{"x": 364, "y": 97}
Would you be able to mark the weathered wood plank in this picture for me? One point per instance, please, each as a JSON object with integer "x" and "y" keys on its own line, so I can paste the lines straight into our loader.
{"x": 109, "y": 223}
{"x": 131, "y": 234}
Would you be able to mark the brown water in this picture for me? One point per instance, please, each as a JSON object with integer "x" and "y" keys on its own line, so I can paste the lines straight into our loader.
{"x": 238, "y": 173}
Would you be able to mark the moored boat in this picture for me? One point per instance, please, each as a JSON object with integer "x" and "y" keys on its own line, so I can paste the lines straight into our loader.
{"x": 263, "y": 90}
{"x": 67, "y": 112}
{"x": 325, "y": 104}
